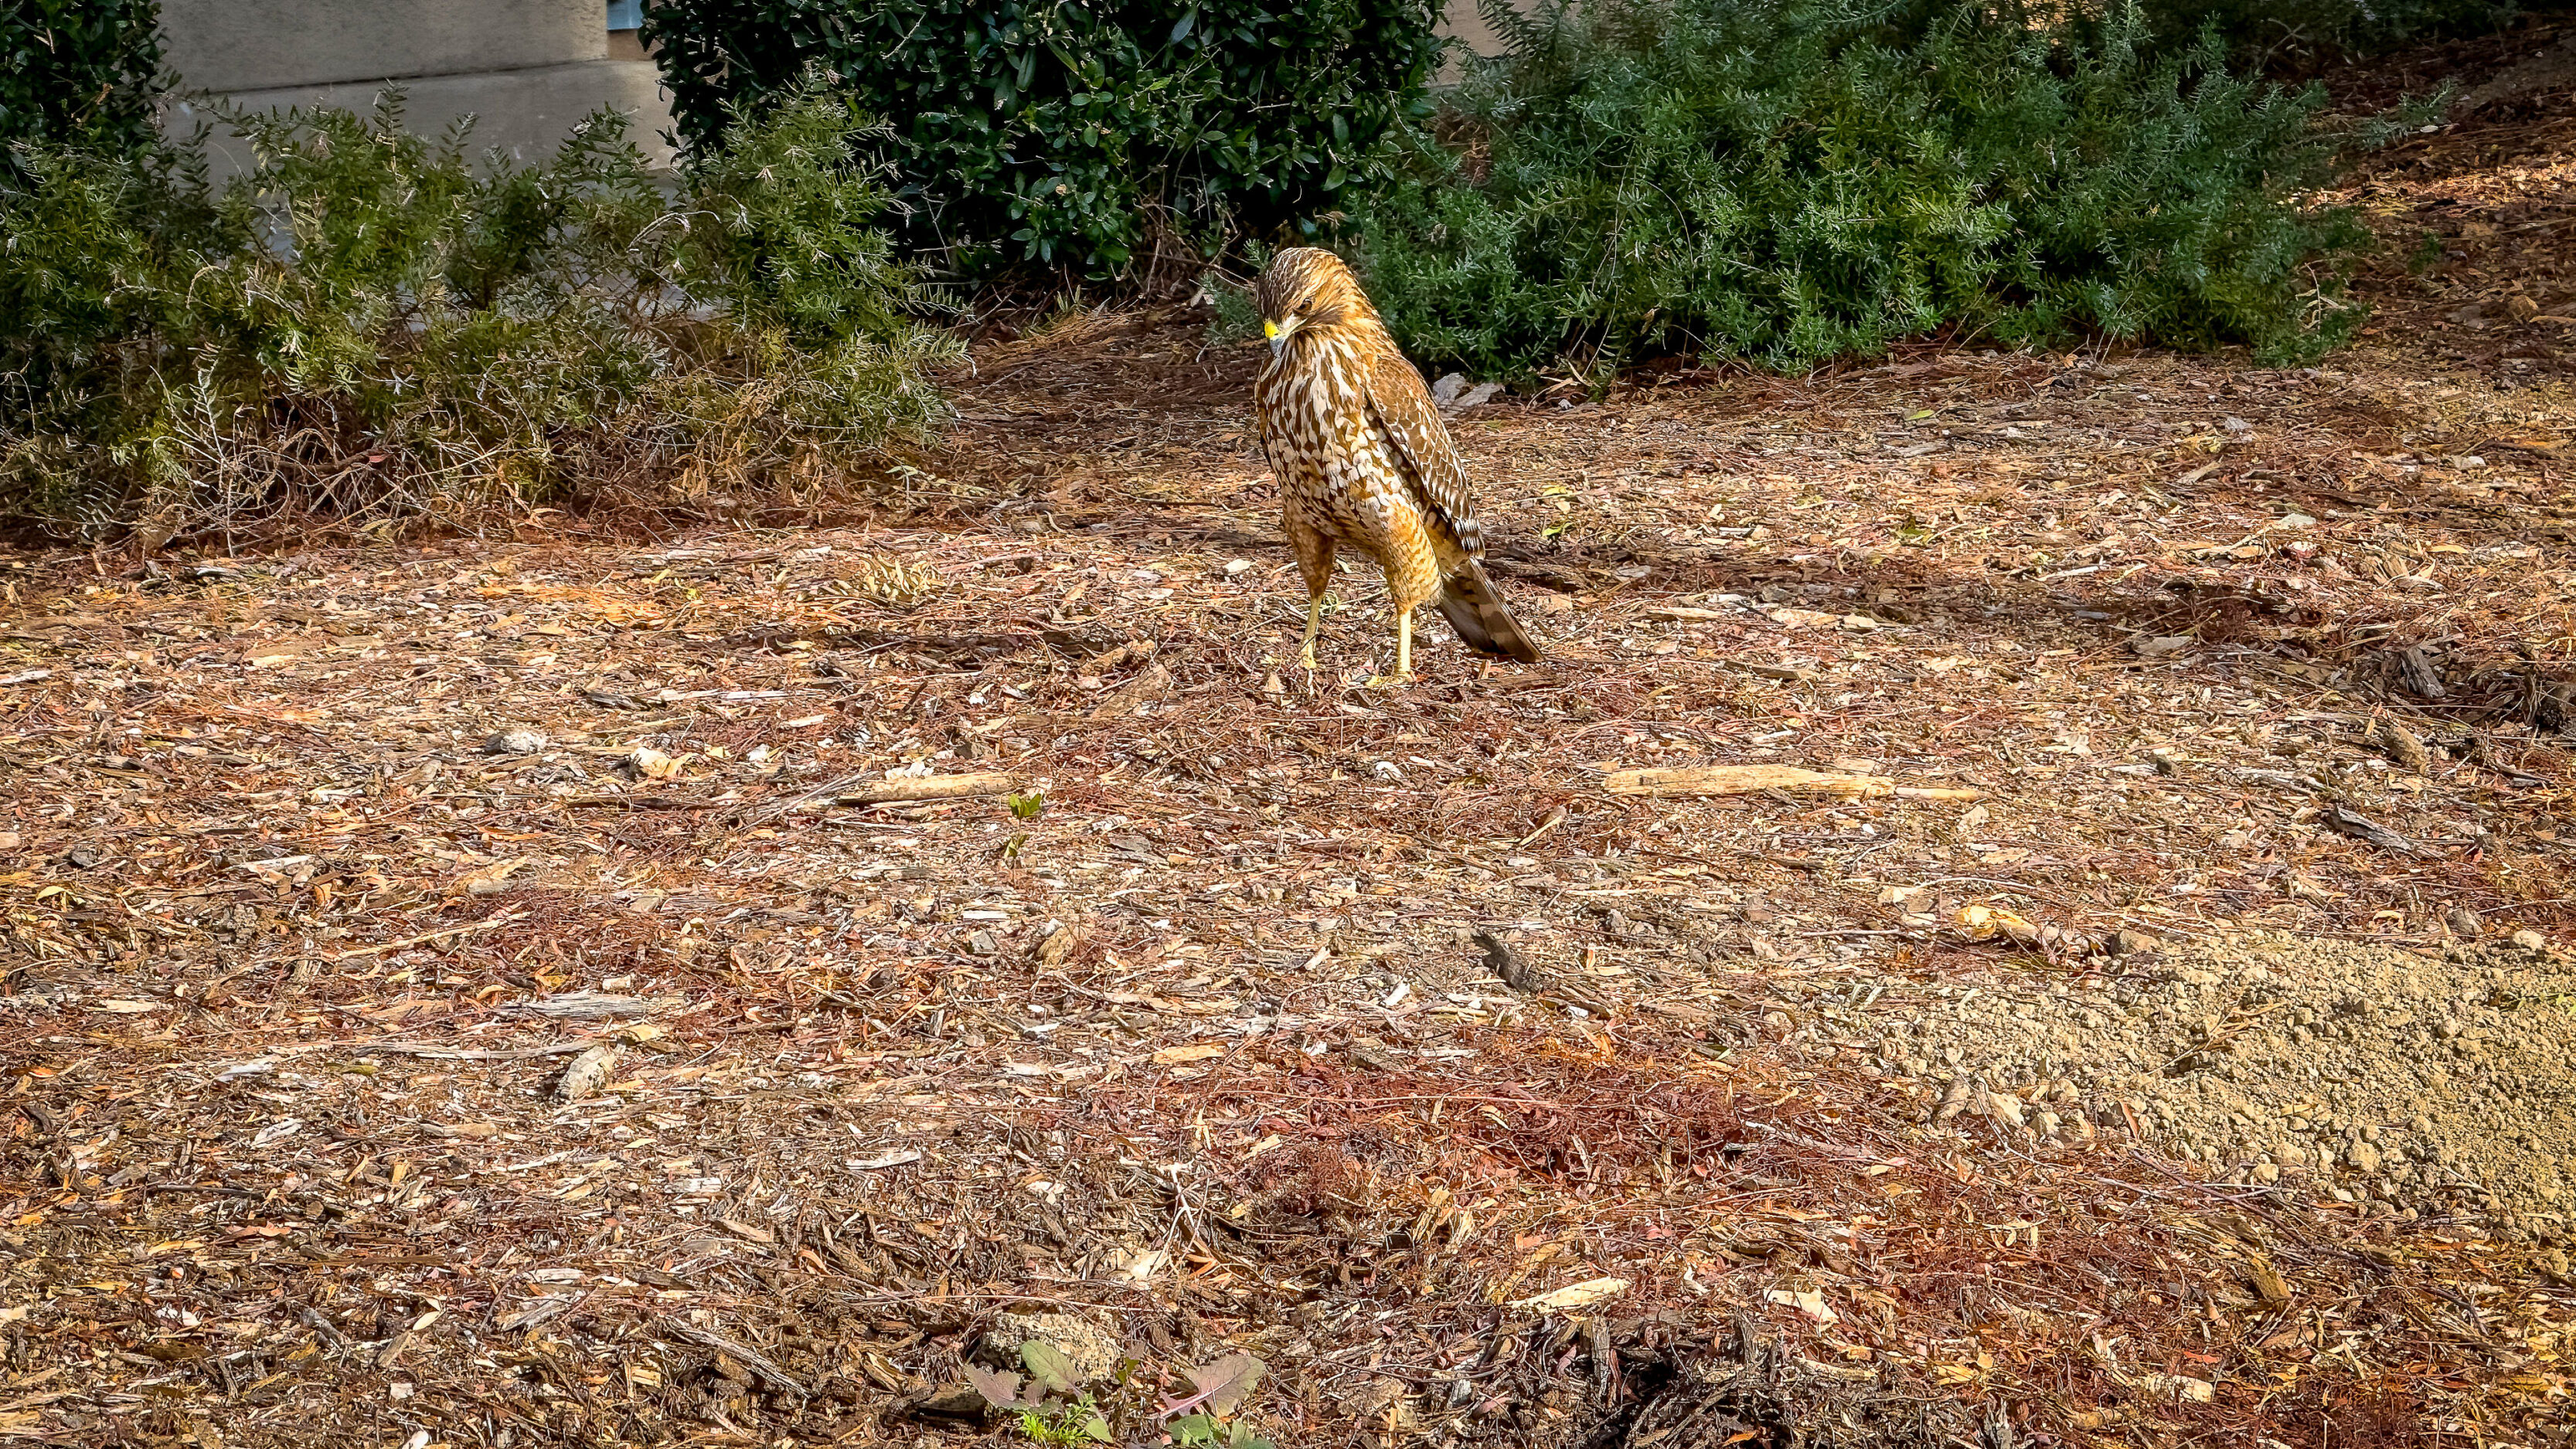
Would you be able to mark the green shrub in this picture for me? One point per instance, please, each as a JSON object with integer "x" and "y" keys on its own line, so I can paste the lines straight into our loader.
{"x": 2300, "y": 33}
{"x": 82, "y": 70}
{"x": 1772, "y": 180}
{"x": 1082, "y": 137}
{"x": 367, "y": 328}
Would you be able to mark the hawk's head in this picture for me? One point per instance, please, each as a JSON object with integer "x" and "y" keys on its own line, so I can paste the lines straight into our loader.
{"x": 1305, "y": 289}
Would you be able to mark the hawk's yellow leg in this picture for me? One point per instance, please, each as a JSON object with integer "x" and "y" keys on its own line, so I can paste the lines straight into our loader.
{"x": 1404, "y": 645}
{"x": 1314, "y": 620}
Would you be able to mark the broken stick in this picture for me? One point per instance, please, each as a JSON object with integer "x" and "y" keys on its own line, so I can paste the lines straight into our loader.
{"x": 927, "y": 787}
{"x": 1753, "y": 779}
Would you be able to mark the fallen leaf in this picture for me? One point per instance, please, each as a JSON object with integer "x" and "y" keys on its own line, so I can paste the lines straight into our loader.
{"x": 1002, "y": 1391}
{"x": 1984, "y": 922}
{"x": 1228, "y": 1382}
{"x": 1806, "y": 1301}
{"x": 1198, "y": 1052}
{"x": 1049, "y": 1369}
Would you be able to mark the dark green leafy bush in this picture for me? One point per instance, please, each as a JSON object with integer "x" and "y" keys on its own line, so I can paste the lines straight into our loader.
{"x": 365, "y": 328}
{"x": 1080, "y": 137}
{"x": 1774, "y": 180}
{"x": 78, "y": 69}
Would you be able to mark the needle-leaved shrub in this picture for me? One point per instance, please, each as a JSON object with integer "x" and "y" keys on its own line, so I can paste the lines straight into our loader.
{"x": 2300, "y": 34}
{"x": 371, "y": 327}
{"x": 1788, "y": 181}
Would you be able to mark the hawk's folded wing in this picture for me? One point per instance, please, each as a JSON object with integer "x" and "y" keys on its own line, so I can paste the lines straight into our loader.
{"x": 1402, "y": 409}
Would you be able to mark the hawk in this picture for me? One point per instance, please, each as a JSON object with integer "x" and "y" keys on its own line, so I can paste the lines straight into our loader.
{"x": 1364, "y": 460}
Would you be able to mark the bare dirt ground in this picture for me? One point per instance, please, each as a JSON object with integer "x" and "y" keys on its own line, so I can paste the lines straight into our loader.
{"x": 449, "y": 1003}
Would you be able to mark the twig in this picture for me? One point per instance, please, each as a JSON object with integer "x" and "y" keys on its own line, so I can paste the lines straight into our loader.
{"x": 929, "y": 787}
{"x": 460, "y": 1054}
{"x": 1753, "y": 779}
{"x": 487, "y": 924}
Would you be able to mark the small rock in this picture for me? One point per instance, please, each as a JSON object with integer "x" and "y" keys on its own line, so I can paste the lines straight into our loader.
{"x": 2403, "y": 748}
{"x": 2465, "y": 923}
{"x": 515, "y": 742}
{"x": 1237, "y": 568}
{"x": 1387, "y": 772}
{"x": 1271, "y": 686}
{"x": 1092, "y": 1349}
{"x": 2363, "y": 1157}
{"x": 2161, "y": 646}
{"x": 82, "y": 856}
{"x": 2130, "y": 941}
{"x": 2266, "y": 1174}
{"x": 2530, "y": 940}
{"x": 587, "y": 1074}
{"x": 1507, "y": 963}
{"x": 1446, "y": 390}
{"x": 982, "y": 944}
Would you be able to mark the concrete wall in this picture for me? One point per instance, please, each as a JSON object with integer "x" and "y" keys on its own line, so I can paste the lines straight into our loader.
{"x": 526, "y": 70}
{"x": 1463, "y": 23}
{"x": 256, "y": 45}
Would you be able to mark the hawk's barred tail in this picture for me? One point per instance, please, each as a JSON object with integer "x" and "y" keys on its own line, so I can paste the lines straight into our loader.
{"x": 1469, "y": 603}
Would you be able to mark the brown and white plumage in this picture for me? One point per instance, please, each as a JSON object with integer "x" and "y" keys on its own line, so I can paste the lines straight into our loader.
{"x": 1364, "y": 460}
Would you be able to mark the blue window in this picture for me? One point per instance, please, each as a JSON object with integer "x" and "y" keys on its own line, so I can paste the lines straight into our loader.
{"x": 625, "y": 14}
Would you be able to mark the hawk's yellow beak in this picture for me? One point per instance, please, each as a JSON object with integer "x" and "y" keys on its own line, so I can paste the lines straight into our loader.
{"x": 1269, "y": 329}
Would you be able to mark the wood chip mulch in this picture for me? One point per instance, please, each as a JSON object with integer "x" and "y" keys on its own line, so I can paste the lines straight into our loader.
{"x": 449, "y": 1002}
